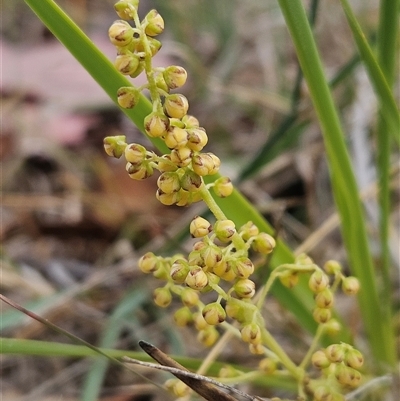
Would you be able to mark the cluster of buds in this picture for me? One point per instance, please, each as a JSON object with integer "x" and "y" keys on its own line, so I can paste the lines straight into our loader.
{"x": 183, "y": 169}
{"x": 213, "y": 264}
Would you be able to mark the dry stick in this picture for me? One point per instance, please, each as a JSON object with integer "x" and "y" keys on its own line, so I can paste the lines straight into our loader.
{"x": 203, "y": 385}
{"x": 71, "y": 336}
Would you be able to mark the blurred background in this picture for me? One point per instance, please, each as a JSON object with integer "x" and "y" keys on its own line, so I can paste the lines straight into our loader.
{"x": 73, "y": 223}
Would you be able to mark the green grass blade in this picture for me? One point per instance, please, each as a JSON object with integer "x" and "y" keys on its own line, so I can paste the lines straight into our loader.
{"x": 387, "y": 102}
{"x": 345, "y": 190}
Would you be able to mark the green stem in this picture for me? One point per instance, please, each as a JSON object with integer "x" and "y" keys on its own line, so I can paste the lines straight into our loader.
{"x": 313, "y": 346}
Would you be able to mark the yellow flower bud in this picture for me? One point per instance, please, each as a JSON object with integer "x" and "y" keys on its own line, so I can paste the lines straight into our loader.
{"x": 139, "y": 171}
{"x": 199, "y": 321}
{"x": 190, "y": 181}
{"x": 183, "y": 316}
{"x": 167, "y": 199}
{"x": 324, "y": 299}
{"x": 162, "y": 297}
{"x": 256, "y": 349}
{"x": 197, "y": 139}
{"x": 335, "y": 353}
{"x": 354, "y": 358}
{"x": 165, "y": 164}
{"x": 211, "y": 255}
{"x": 268, "y": 365}
{"x": 114, "y": 146}
{"x": 176, "y": 105}
{"x": 212, "y": 279}
{"x": 320, "y": 360}
{"x": 190, "y": 121}
{"x": 347, "y": 376}
{"x": 179, "y": 388}
{"x": 196, "y": 278}
{"x": 243, "y": 267}
{"x": 175, "y": 76}
{"x": 248, "y": 230}
{"x": 169, "y": 182}
{"x": 179, "y": 271}
{"x": 208, "y": 336}
{"x": 235, "y": 310}
{"x": 228, "y": 371}
{"x": 189, "y": 297}
{"x": 135, "y": 154}
{"x": 350, "y": 285}
{"x": 224, "y": 230}
{"x": 175, "y": 137}
{"x": 223, "y": 187}
{"x": 120, "y": 33}
{"x": 332, "y": 267}
{"x": 263, "y": 243}
{"x": 318, "y": 281}
{"x": 216, "y": 163}
{"x": 202, "y": 164}
{"x": 161, "y": 84}
{"x": 251, "y": 333}
{"x": 323, "y": 393}
{"x": 128, "y": 97}
{"x": 154, "y": 44}
{"x": 181, "y": 156}
{"x": 200, "y": 227}
{"x": 127, "y": 64}
{"x": 214, "y": 314}
{"x": 332, "y": 327}
{"x": 289, "y": 278}
{"x": 245, "y": 288}
{"x": 148, "y": 263}
{"x": 303, "y": 259}
{"x": 156, "y": 124}
{"x": 154, "y": 23}
{"x": 125, "y": 8}
{"x": 322, "y": 315}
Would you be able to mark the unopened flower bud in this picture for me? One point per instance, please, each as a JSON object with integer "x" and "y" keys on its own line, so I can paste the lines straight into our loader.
{"x": 335, "y": 353}
{"x": 332, "y": 267}
{"x": 154, "y": 23}
{"x": 236, "y": 310}
{"x": 169, "y": 182}
{"x": 228, "y": 371}
{"x": 135, "y": 153}
{"x": 183, "y": 316}
{"x": 190, "y": 121}
{"x": 202, "y": 164}
{"x": 156, "y": 124}
{"x": 263, "y": 243}
{"x": 175, "y": 137}
{"x": 332, "y": 327}
{"x": 320, "y": 360}
{"x": 189, "y": 297}
{"x": 124, "y": 8}
{"x": 223, "y": 187}
{"x": 176, "y": 105}
{"x": 167, "y": 199}
{"x": 199, "y": 321}
{"x": 211, "y": 255}
{"x": 128, "y": 97}
{"x": 318, "y": 281}
{"x": 245, "y": 288}
{"x": 114, "y": 146}
{"x": 289, "y": 278}
{"x": 138, "y": 70}
{"x": 120, "y": 33}
{"x": 324, "y": 299}
{"x": 248, "y": 230}
{"x": 197, "y": 139}
{"x": 303, "y": 260}
{"x": 200, "y": 227}
{"x": 175, "y": 76}
{"x": 213, "y": 280}
{"x": 251, "y": 333}
{"x": 256, "y": 349}
{"x": 179, "y": 271}
{"x": 162, "y": 297}
{"x": 354, "y": 358}
{"x": 181, "y": 156}
{"x": 165, "y": 164}
{"x": 224, "y": 230}
{"x": 208, "y": 336}
{"x": 322, "y": 315}
{"x": 178, "y": 388}
{"x": 243, "y": 267}
{"x": 190, "y": 181}
{"x": 139, "y": 171}
{"x": 268, "y": 365}
{"x": 214, "y": 314}
{"x": 161, "y": 84}
{"x": 148, "y": 263}
{"x": 350, "y": 285}
{"x": 196, "y": 278}
{"x": 347, "y": 376}
{"x": 323, "y": 393}
{"x": 127, "y": 64}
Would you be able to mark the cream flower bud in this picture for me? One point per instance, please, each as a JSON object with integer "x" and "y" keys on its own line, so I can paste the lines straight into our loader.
{"x": 251, "y": 333}
{"x": 212, "y": 281}
{"x": 128, "y": 97}
{"x": 124, "y": 8}
{"x": 303, "y": 259}
{"x": 245, "y": 288}
{"x": 183, "y": 316}
{"x": 332, "y": 267}
{"x": 332, "y": 327}
{"x": 223, "y": 187}
{"x": 214, "y": 313}
{"x": 208, "y": 336}
{"x": 179, "y": 388}
{"x": 127, "y": 64}
{"x": 179, "y": 270}
{"x": 216, "y": 163}
{"x": 202, "y": 164}
{"x": 350, "y": 285}
{"x": 335, "y": 353}
{"x": 318, "y": 281}
{"x": 169, "y": 182}
{"x": 248, "y": 230}
{"x": 324, "y": 299}
{"x": 165, "y": 164}
{"x": 211, "y": 255}
{"x": 322, "y": 315}
{"x": 176, "y": 105}
{"x": 190, "y": 121}
{"x": 323, "y": 393}
{"x": 197, "y": 139}
{"x": 167, "y": 199}
{"x": 268, "y": 365}
{"x": 114, "y": 146}
{"x": 347, "y": 376}
{"x": 120, "y": 33}
{"x": 320, "y": 360}
{"x": 224, "y": 230}
{"x": 256, "y": 349}
{"x": 289, "y": 278}
{"x": 161, "y": 84}
{"x": 196, "y": 278}
{"x": 181, "y": 156}
{"x": 154, "y": 23}
{"x": 139, "y": 171}
{"x": 135, "y": 153}
{"x": 162, "y": 297}
{"x": 236, "y": 310}
{"x": 200, "y": 227}
{"x": 189, "y": 297}
{"x": 243, "y": 267}
{"x": 199, "y": 321}
{"x": 138, "y": 70}
{"x": 148, "y": 263}
{"x": 176, "y": 137}
{"x": 156, "y": 124}
{"x": 175, "y": 76}
{"x": 263, "y": 243}
{"x": 190, "y": 181}
{"x": 354, "y": 358}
